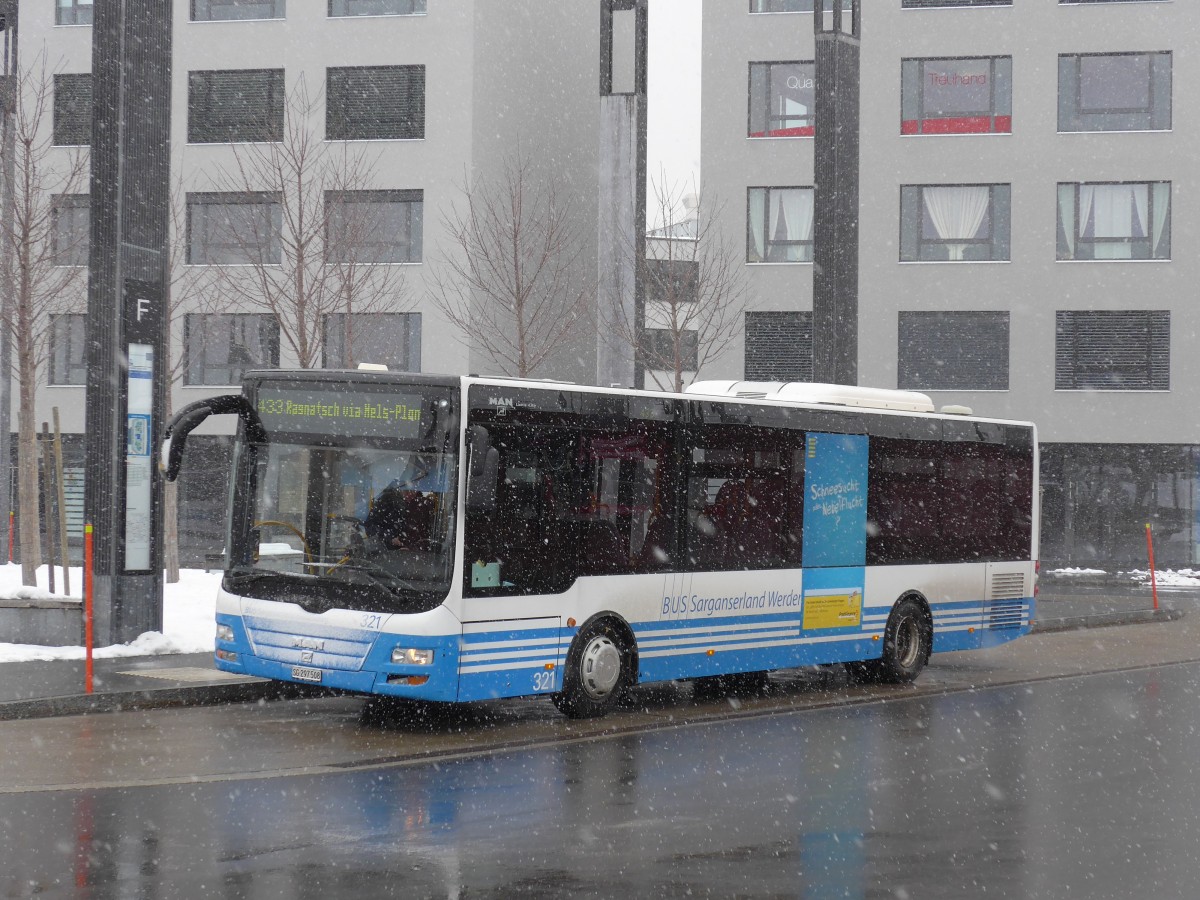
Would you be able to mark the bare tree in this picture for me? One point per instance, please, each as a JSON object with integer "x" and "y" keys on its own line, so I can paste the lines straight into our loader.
{"x": 510, "y": 281}
{"x": 40, "y": 274}
{"x": 315, "y": 248}
{"x": 695, "y": 291}
{"x": 189, "y": 291}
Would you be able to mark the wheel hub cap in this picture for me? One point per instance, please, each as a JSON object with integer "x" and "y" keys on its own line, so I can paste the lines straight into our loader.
{"x": 601, "y": 667}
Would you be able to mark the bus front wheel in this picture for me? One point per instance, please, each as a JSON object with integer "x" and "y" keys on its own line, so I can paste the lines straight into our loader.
{"x": 596, "y": 672}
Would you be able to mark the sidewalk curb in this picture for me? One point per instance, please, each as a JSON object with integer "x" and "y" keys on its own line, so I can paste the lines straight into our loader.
{"x": 1107, "y": 620}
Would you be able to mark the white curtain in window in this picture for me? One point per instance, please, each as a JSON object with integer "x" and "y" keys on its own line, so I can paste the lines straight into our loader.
{"x": 1066, "y": 216}
{"x": 956, "y": 213}
{"x": 1162, "y": 207}
{"x": 757, "y": 214}
{"x": 798, "y": 213}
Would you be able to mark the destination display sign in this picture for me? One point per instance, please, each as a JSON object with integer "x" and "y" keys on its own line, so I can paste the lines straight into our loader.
{"x": 345, "y": 411}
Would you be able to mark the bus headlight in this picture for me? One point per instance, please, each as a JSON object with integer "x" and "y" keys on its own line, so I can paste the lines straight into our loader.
{"x": 410, "y": 656}
{"x": 225, "y": 633}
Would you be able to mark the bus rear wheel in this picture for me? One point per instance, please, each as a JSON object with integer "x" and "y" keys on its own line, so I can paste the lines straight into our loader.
{"x": 596, "y": 673}
{"x": 907, "y": 643}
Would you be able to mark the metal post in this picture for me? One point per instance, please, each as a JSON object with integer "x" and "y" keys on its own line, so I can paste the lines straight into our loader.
{"x": 838, "y": 27}
{"x": 127, "y": 291}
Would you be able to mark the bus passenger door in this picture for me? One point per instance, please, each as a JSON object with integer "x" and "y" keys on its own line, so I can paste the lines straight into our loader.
{"x": 835, "y": 533}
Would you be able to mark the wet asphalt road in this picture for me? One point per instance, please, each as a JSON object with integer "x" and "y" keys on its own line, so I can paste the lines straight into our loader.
{"x": 1072, "y": 787}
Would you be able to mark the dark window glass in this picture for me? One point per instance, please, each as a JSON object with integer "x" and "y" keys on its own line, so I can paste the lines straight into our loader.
{"x": 956, "y": 96}
{"x": 782, "y": 99}
{"x": 745, "y": 499}
{"x": 68, "y": 349}
{"x": 73, "y": 12}
{"x": 73, "y": 110}
{"x": 1114, "y": 92}
{"x": 1112, "y": 350}
{"x": 658, "y": 350}
{"x": 71, "y": 229}
{"x": 672, "y": 281}
{"x": 225, "y": 10}
{"x": 390, "y": 339}
{"x": 375, "y": 103}
{"x": 947, "y": 501}
{"x": 375, "y": 226}
{"x": 770, "y": 6}
{"x": 779, "y": 224}
{"x": 220, "y": 348}
{"x": 235, "y": 106}
{"x": 1129, "y": 220}
{"x": 376, "y": 7}
{"x": 949, "y": 351}
{"x": 779, "y": 346}
{"x": 233, "y": 229}
{"x": 954, "y": 223}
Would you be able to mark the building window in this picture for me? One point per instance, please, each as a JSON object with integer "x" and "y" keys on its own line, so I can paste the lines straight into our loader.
{"x": 73, "y": 110}
{"x": 73, "y": 12}
{"x": 956, "y": 96}
{"x": 374, "y": 226}
{"x": 779, "y": 224}
{"x": 70, "y": 229}
{"x": 220, "y": 348}
{"x": 658, "y": 349}
{"x": 953, "y": 351}
{"x": 779, "y": 346}
{"x": 68, "y": 349}
{"x": 939, "y": 4}
{"x": 1114, "y": 221}
{"x": 390, "y": 339}
{"x": 782, "y": 99}
{"x": 1112, "y": 351}
{"x": 1114, "y": 92}
{"x": 773, "y": 6}
{"x": 954, "y": 223}
{"x": 226, "y": 107}
{"x": 233, "y": 229}
{"x": 338, "y": 8}
{"x": 375, "y": 103}
{"x": 226, "y": 10}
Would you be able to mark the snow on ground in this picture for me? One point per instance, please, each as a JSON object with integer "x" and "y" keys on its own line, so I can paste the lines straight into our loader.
{"x": 188, "y": 610}
{"x": 1169, "y": 578}
{"x": 1072, "y": 570}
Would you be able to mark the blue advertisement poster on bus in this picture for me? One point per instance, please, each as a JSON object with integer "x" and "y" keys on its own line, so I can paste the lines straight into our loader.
{"x": 835, "y": 500}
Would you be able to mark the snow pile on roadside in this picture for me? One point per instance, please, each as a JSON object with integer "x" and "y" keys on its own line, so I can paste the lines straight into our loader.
{"x": 1072, "y": 570}
{"x": 1168, "y": 577}
{"x": 188, "y": 610}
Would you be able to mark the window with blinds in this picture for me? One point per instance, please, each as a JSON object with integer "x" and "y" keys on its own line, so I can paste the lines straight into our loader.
{"x": 375, "y": 103}
{"x": 70, "y": 229}
{"x": 229, "y": 10}
{"x": 73, "y": 110}
{"x": 779, "y": 346}
{"x": 953, "y": 351}
{"x": 235, "y": 106}
{"x": 1126, "y": 350}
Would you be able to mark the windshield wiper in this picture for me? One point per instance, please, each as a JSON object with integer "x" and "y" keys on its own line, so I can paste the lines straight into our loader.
{"x": 376, "y": 573}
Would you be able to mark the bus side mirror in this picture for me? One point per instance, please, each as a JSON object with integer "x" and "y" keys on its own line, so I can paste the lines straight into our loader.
{"x": 484, "y": 471}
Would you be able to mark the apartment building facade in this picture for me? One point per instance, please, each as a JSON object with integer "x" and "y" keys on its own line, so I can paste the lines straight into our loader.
{"x": 1027, "y": 246}
{"x": 425, "y": 97}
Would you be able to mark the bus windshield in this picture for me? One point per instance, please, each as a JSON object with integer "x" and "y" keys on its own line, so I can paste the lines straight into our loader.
{"x": 343, "y": 511}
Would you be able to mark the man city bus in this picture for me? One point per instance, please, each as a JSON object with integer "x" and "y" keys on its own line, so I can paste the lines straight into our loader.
{"x": 461, "y": 538}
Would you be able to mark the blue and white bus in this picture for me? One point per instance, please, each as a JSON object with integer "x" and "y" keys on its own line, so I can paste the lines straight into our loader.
{"x": 463, "y": 538}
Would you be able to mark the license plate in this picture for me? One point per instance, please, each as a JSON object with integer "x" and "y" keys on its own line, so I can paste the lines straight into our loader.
{"x": 304, "y": 673}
